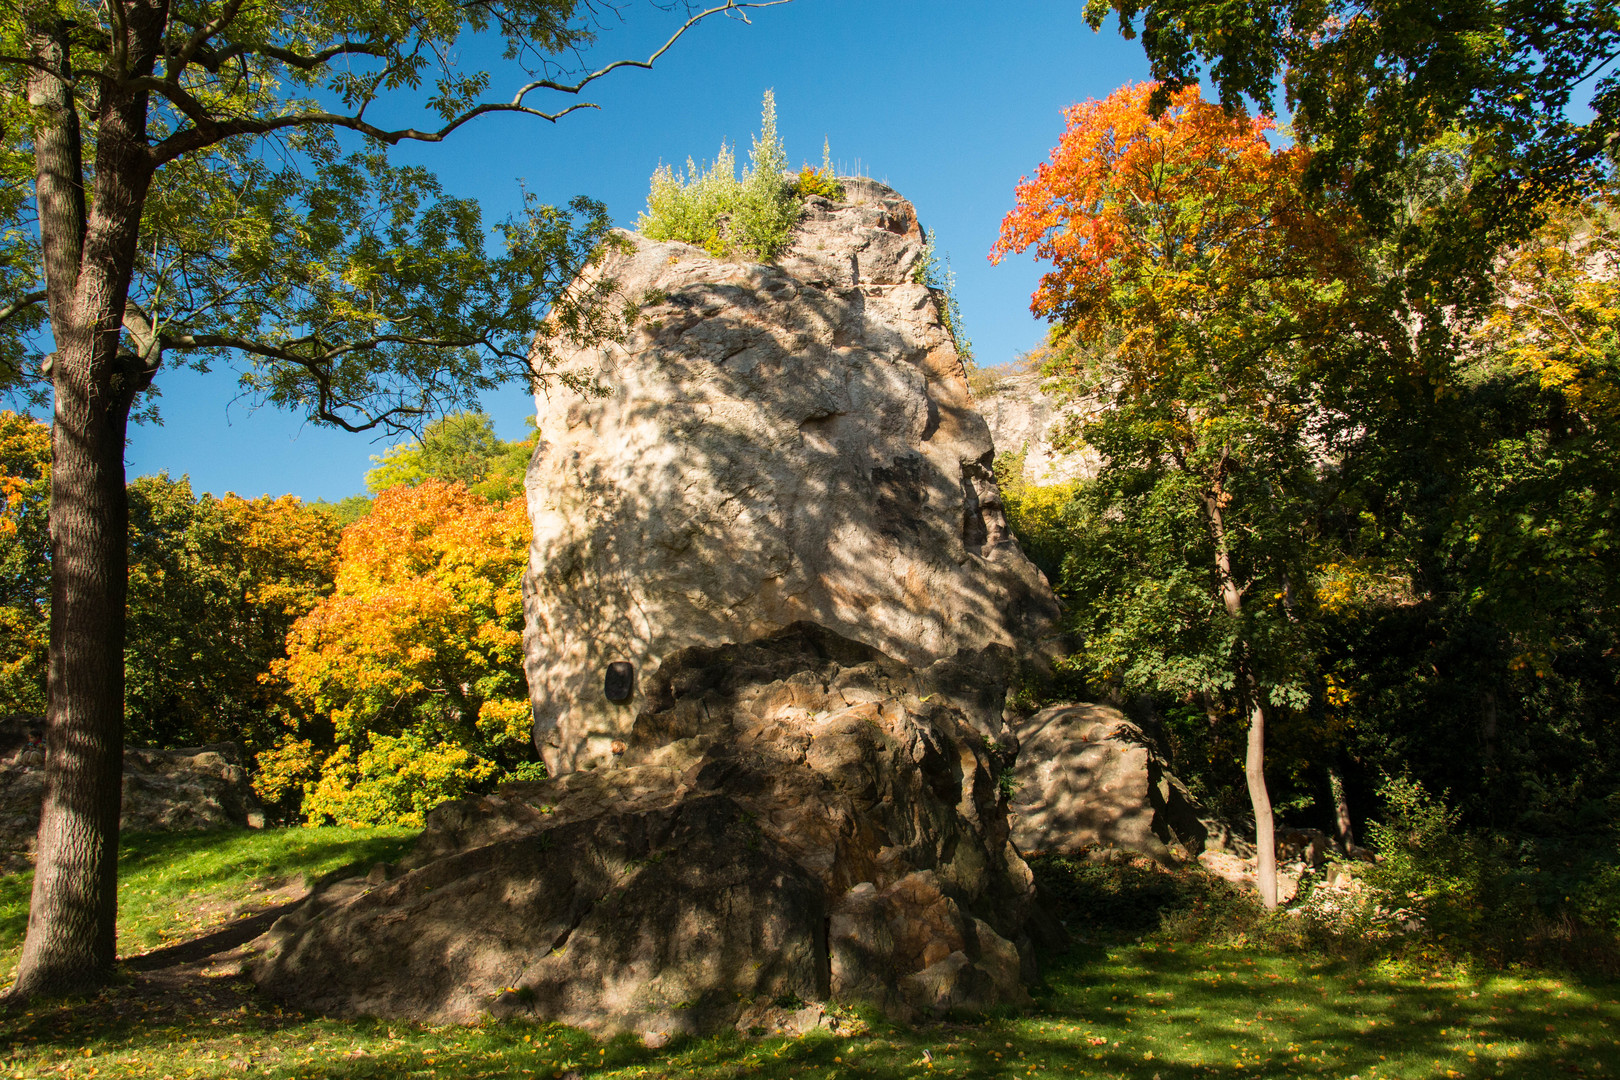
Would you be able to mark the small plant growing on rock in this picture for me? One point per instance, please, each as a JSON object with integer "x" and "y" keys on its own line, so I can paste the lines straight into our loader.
{"x": 940, "y": 278}
{"x": 752, "y": 217}
{"x": 823, "y": 181}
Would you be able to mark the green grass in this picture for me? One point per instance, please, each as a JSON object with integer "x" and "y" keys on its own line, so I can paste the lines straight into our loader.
{"x": 177, "y": 886}
{"x": 1112, "y": 1007}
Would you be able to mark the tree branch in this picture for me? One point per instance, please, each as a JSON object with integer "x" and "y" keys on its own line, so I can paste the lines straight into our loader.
{"x": 199, "y": 37}
{"x": 22, "y": 303}
{"x": 210, "y": 129}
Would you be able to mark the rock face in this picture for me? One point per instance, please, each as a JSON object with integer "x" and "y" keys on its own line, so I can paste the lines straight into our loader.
{"x": 164, "y": 790}
{"x": 1025, "y": 420}
{"x": 791, "y": 819}
{"x": 1089, "y": 778}
{"x": 784, "y": 443}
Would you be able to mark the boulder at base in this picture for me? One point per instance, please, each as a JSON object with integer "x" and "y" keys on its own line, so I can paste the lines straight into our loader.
{"x": 200, "y": 787}
{"x": 778, "y": 443}
{"x": 791, "y": 820}
{"x": 1087, "y": 778}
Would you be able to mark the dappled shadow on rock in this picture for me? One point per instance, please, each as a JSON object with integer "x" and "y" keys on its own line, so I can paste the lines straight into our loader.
{"x": 778, "y": 443}
{"x": 793, "y": 819}
{"x": 1090, "y": 780}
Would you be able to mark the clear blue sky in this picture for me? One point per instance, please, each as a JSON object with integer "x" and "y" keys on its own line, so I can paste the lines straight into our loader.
{"x": 950, "y": 103}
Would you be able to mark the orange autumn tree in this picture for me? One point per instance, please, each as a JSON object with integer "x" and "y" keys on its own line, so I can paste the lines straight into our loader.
{"x": 1206, "y": 298}
{"x": 411, "y": 672}
{"x": 25, "y": 586}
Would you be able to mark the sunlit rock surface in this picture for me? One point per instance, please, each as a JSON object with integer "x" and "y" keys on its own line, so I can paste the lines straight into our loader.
{"x": 1089, "y": 779}
{"x": 778, "y": 443}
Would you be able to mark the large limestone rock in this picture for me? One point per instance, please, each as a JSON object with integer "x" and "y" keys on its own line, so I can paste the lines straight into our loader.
{"x": 792, "y": 819}
{"x": 777, "y": 443}
{"x": 1028, "y": 422}
{"x": 195, "y": 788}
{"x": 1087, "y": 778}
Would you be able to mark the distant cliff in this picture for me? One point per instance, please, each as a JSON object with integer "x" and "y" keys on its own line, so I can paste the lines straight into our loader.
{"x": 1025, "y": 420}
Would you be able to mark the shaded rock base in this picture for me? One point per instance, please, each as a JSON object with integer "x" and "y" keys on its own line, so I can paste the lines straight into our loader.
{"x": 196, "y": 788}
{"x": 791, "y": 820}
{"x": 1088, "y": 779}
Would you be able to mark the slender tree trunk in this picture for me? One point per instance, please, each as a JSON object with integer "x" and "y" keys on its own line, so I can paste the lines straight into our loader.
{"x": 1254, "y": 763}
{"x": 1265, "y": 828}
{"x": 1488, "y": 727}
{"x": 1341, "y": 809}
{"x": 89, "y": 263}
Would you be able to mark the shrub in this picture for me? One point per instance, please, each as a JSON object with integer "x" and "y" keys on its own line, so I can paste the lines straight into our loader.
{"x": 1491, "y": 895}
{"x": 693, "y": 207}
{"x": 941, "y": 279}
{"x": 752, "y": 217}
{"x": 393, "y": 780}
{"x": 822, "y": 181}
{"x": 1039, "y": 515}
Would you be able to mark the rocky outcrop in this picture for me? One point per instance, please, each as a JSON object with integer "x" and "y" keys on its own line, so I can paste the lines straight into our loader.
{"x": 201, "y": 787}
{"x": 1087, "y": 778}
{"x": 776, "y": 443}
{"x": 790, "y": 820}
{"x": 1027, "y": 422}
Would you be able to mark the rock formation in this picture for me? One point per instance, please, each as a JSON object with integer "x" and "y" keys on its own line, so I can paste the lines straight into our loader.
{"x": 790, "y": 819}
{"x": 777, "y": 443}
{"x": 1026, "y": 421}
{"x": 770, "y": 619}
{"x": 198, "y": 788}
{"x": 1088, "y": 778}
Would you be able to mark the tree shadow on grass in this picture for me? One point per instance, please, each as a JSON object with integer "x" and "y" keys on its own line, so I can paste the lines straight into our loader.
{"x": 161, "y": 875}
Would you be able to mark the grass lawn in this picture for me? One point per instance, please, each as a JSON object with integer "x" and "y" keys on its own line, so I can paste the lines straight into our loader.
{"x": 177, "y": 886}
{"x": 1112, "y": 1007}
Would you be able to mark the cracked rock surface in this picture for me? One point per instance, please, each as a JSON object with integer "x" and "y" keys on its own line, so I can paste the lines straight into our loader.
{"x": 794, "y": 820}
{"x": 779, "y": 443}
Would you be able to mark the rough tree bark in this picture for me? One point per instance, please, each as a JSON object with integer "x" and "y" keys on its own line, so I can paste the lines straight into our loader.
{"x": 88, "y": 260}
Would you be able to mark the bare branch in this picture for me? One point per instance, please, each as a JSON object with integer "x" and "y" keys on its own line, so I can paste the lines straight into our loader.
{"x": 574, "y": 88}
{"x": 291, "y": 354}
{"x": 210, "y": 129}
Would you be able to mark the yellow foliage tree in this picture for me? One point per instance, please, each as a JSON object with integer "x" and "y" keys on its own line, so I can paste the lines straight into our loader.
{"x": 414, "y": 664}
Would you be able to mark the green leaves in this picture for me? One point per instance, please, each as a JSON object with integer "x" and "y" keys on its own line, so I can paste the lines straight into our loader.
{"x": 363, "y": 295}
{"x": 461, "y": 448}
{"x": 711, "y": 208}
{"x": 214, "y": 587}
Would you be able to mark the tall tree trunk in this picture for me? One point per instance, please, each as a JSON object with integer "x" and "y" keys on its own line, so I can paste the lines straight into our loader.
{"x": 1341, "y": 809}
{"x": 70, "y": 941}
{"x": 89, "y": 263}
{"x": 1265, "y": 829}
{"x": 1254, "y": 762}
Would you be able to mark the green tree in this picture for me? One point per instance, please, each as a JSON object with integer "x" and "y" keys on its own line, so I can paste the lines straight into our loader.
{"x": 192, "y": 202}
{"x": 214, "y": 587}
{"x": 462, "y": 449}
{"x": 1186, "y": 243}
{"x": 1490, "y": 670}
